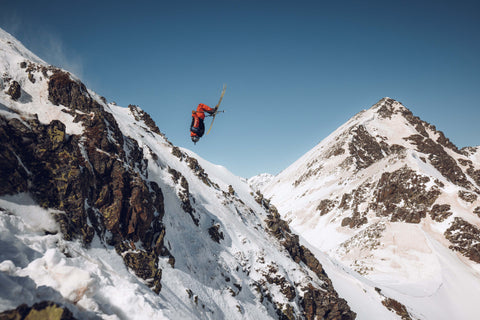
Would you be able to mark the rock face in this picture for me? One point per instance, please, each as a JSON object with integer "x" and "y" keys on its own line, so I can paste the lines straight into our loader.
{"x": 384, "y": 175}
{"x": 465, "y": 238}
{"x": 97, "y": 179}
{"x": 42, "y": 310}
{"x": 404, "y": 196}
{"x": 14, "y": 91}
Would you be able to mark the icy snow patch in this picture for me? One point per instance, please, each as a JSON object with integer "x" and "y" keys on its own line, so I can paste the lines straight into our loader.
{"x": 34, "y": 216}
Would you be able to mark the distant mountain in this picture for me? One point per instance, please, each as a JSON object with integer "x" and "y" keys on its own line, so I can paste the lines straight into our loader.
{"x": 259, "y": 181}
{"x": 389, "y": 196}
{"x": 102, "y": 217}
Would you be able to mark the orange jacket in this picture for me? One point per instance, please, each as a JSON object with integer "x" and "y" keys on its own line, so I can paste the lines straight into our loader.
{"x": 197, "y": 128}
{"x": 201, "y": 111}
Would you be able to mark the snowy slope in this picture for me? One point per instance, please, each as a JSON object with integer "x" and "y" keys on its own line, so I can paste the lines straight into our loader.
{"x": 101, "y": 214}
{"x": 386, "y": 195}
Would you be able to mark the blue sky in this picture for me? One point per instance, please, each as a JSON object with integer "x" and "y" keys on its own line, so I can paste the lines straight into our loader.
{"x": 295, "y": 70}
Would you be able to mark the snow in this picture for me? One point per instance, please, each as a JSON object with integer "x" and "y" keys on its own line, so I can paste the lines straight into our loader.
{"x": 259, "y": 181}
{"x": 90, "y": 282}
{"x": 22, "y": 205}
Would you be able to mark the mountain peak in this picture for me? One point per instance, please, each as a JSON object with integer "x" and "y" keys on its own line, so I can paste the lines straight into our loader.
{"x": 385, "y": 107}
{"x": 387, "y": 193}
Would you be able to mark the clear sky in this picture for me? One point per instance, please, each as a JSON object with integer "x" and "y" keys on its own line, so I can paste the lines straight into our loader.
{"x": 295, "y": 70}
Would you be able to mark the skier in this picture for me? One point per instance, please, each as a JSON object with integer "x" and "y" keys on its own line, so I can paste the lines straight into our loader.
{"x": 197, "y": 128}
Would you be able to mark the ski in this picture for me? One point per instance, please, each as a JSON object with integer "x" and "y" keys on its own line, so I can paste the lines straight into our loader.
{"x": 216, "y": 107}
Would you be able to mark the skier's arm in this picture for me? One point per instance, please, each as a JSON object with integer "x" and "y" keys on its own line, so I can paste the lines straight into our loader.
{"x": 206, "y": 108}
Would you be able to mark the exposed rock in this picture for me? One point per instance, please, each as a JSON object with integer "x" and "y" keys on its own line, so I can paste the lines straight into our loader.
{"x": 465, "y": 162}
{"x": 325, "y": 206}
{"x": 465, "y": 238}
{"x": 42, "y": 310}
{"x": 403, "y": 195}
{"x": 231, "y": 191}
{"x": 321, "y": 303}
{"x": 475, "y": 175}
{"x": 31, "y": 77}
{"x": 139, "y": 114}
{"x": 394, "y": 306}
{"x": 397, "y": 307}
{"x": 356, "y": 220}
{"x": 71, "y": 94}
{"x": 477, "y": 211}
{"x": 198, "y": 170}
{"x": 353, "y": 201}
{"x": 334, "y": 151}
{"x": 265, "y": 203}
{"x": 195, "y": 166}
{"x": 215, "y": 234}
{"x": 364, "y": 149}
{"x": 14, "y": 91}
{"x": 467, "y": 196}
{"x": 176, "y": 152}
{"x": 145, "y": 265}
{"x": 441, "y": 160}
{"x": 318, "y": 305}
{"x": 287, "y": 289}
{"x": 444, "y": 141}
{"x": 386, "y": 110}
{"x": 440, "y": 212}
{"x": 184, "y": 194}
{"x": 96, "y": 185}
{"x": 10, "y": 164}
{"x": 397, "y": 149}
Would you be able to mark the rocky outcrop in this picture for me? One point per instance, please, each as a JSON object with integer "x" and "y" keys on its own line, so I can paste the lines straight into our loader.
{"x": 184, "y": 194}
{"x": 215, "y": 233}
{"x": 325, "y": 206}
{"x": 394, "y": 306}
{"x": 467, "y": 196}
{"x": 441, "y": 160}
{"x": 139, "y": 114}
{"x": 42, "y": 310}
{"x": 404, "y": 196}
{"x": 195, "y": 166}
{"x": 353, "y": 201}
{"x": 465, "y": 238}
{"x": 145, "y": 265}
{"x": 317, "y": 303}
{"x": 14, "y": 91}
{"x": 477, "y": 211}
{"x": 440, "y": 212}
{"x": 364, "y": 149}
{"x": 62, "y": 90}
{"x": 98, "y": 186}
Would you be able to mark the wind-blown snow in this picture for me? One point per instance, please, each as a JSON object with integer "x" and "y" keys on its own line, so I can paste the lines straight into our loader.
{"x": 34, "y": 95}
